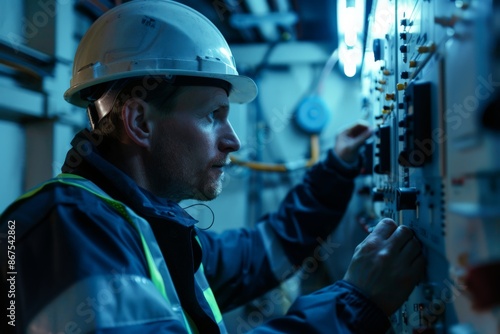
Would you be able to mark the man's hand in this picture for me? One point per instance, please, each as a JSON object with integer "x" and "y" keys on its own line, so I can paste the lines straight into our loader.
{"x": 387, "y": 265}
{"x": 349, "y": 141}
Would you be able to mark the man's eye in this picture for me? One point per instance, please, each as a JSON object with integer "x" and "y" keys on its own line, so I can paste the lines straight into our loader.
{"x": 211, "y": 115}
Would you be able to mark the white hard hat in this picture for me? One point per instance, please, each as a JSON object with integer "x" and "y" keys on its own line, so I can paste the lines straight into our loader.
{"x": 154, "y": 37}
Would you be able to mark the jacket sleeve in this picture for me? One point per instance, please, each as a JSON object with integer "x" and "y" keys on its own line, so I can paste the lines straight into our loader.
{"x": 242, "y": 264}
{"x": 312, "y": 210}
{"x": 339, "y": 308}
{"x": 81, "y": 268}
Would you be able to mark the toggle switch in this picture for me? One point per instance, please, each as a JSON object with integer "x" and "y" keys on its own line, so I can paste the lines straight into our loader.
{"x": 378, "y": 48}
{"x": 378, "y": 195}
{"x": 406, "y": 199}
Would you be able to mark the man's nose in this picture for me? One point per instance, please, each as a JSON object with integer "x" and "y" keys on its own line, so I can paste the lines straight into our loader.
{"x": 229, "y": 141}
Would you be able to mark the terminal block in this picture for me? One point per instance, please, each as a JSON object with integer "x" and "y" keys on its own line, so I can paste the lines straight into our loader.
{"x": 384, "y": 150}
{"x": 417, "y": 129}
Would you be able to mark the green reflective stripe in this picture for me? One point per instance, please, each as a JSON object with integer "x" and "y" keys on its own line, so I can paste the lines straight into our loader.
{"x": 122, "y": 210}
{"x": 126, "y": 213}
{"x": 156, "y": 277}
{"x": 209, "y": 296}
{"x": 153, "y": 271}
{"x": 120, "y": 207}
{"x": 40, "y": 187}
{"x": 32, "y": 192}
{"x": 198, "y": 239}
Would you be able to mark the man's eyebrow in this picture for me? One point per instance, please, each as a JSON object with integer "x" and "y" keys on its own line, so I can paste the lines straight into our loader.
{"x": 221, "y": 105}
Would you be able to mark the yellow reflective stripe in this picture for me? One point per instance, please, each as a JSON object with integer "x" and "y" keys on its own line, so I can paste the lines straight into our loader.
{"x": 37, "y": 189}
{"x": 153, "y": 270}
{"x": 198, "y": 239}
{"x": 122, "y": 209}
{"x": 209, "y": 296}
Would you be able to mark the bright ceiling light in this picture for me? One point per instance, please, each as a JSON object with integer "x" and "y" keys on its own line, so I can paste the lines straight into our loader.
{"x": 350, "y": 21}
{"x": 350, "y": 58}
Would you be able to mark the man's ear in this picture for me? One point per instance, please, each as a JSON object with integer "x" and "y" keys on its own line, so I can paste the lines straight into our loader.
{"x": 135, "y": 122}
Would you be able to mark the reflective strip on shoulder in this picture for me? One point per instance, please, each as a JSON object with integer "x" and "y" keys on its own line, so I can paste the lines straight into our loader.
{"x": 124, "y": 211}
{"x": 280, "y": 264}
{"x": 106, "y": 301}
{"x": 33, "y": 191}
{"x": 153, "y": 255}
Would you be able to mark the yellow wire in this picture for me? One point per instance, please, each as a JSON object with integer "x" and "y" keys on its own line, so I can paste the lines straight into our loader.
{"x": 270, "y": 167}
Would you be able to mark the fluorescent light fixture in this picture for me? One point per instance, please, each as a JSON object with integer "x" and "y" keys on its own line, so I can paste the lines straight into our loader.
{"x": 350, "y": 58}
{"x": 351, "y": 22}
{"x": 350, "y": 69}
{"x": 351, "y": 30}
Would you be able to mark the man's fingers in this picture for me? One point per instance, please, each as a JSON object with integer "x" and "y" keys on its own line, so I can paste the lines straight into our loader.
{"x": 367, "y": 134}
{"x": 400, "y": 237}
{"x": 385, "y": 228}
{"x": 357, "y": 130}
{"x": 360, "y": 139}
{"x": 411, "y": 250}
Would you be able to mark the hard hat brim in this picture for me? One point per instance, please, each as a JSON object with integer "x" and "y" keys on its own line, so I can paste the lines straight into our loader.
{"x": 243, "y": 88}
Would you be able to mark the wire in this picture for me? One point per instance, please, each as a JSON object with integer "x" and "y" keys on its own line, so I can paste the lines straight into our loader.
{"x": 327, "y": 69}
{"x": 209, "y": 208}
{"x": 315, "y": 149}
{"x": 286, "y": 167}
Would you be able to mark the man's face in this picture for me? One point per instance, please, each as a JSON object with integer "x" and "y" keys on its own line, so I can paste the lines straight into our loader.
{"x": 191, "y": 144}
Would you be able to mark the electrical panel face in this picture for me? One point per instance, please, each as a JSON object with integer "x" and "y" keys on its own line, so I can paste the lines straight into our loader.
{"x": 431, "y": 81}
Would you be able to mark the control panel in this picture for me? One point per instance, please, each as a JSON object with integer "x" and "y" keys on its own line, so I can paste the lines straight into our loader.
{"x": 431, "y": 83}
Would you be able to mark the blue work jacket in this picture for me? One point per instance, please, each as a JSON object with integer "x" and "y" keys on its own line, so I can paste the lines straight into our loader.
{"x": 82, "y": 266}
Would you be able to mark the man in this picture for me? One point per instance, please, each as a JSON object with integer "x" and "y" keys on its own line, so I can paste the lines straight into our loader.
{"x": 106, "y": 248}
